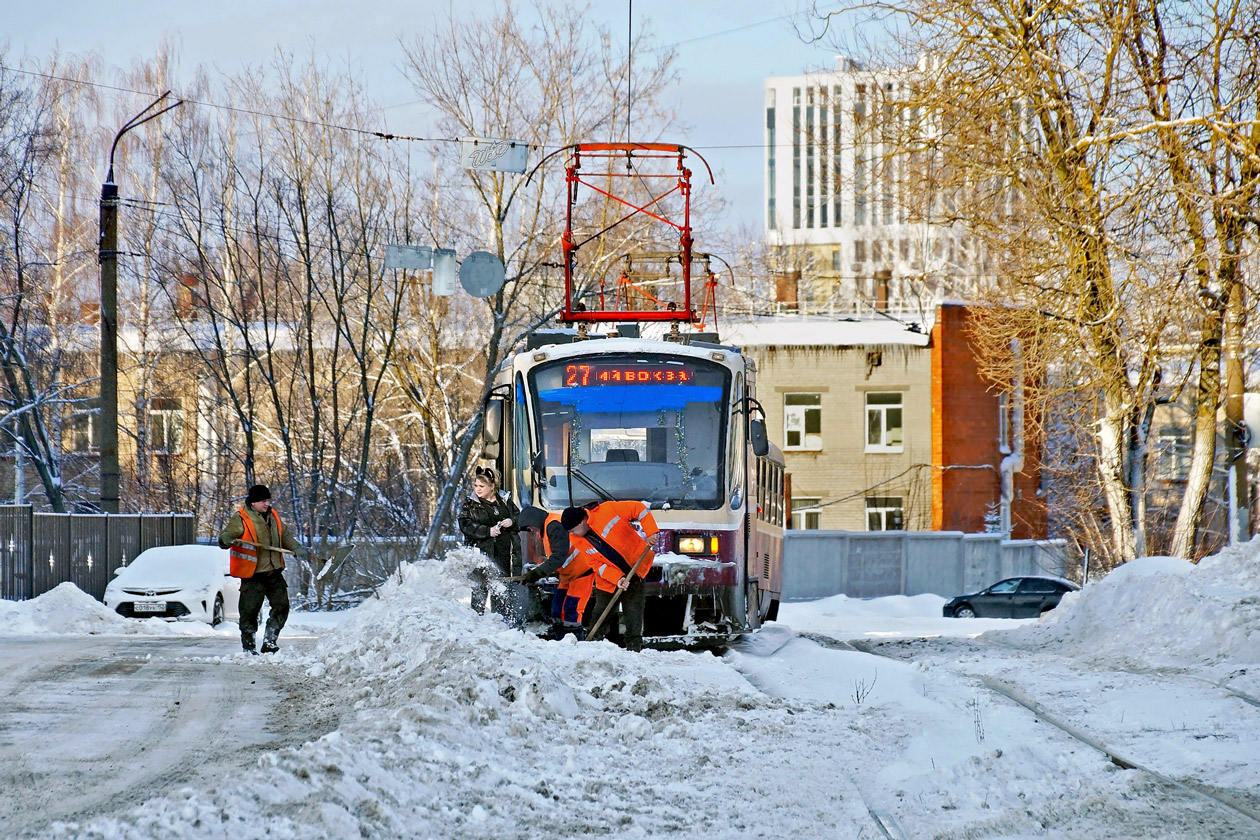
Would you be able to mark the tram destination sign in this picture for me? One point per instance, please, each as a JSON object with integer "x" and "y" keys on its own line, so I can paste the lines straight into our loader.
{"x": 588, "y": 375}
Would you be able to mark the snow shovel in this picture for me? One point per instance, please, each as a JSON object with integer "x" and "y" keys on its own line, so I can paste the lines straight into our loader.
{"x": 599, "y": 622}
{"x": 339, "y": 557}
{"x": 268, "y": 547}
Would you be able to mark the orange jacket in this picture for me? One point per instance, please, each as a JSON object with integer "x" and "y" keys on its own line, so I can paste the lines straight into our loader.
{"x": 613, "y": 531}
{"x": 243, "y": 559}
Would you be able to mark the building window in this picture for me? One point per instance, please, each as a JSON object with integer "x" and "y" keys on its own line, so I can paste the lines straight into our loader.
{"x": 835, "y": 260}
{"x": 85, "y": 432}
{"x": 884, "y": 513}
{"x": 1174, "y": 448}
{"x": 883, "y": 422}
{"x": 166, "y": 427}
{"x": 806, "y": 515}
{"x": 802, "y": 421}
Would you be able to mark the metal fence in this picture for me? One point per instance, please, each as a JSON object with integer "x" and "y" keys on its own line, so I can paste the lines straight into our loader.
{"x": 39, "y": 551}
{"x": 862, "y": 564}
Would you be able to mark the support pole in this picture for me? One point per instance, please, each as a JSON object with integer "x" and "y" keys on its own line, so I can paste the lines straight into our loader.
{"x": 107, "y": 256}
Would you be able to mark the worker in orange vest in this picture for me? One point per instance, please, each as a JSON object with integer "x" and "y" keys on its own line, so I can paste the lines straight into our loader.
{"x": 570, "y": 561}
{"x": 252, "y": 536}
{"x": 620, "y": 534}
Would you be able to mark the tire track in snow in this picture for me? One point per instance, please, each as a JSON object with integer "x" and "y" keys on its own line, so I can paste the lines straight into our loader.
{"x": 765, "y": 645}
{"x": 1229, "y": 802}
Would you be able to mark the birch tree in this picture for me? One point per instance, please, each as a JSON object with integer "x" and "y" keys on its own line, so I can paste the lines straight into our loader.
{"x": 1099, "y": 155}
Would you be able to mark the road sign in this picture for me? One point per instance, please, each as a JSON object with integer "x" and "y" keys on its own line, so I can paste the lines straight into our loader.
{"x": 481, "y": 275}
{"x": 415, "y": 257}
{"x": 444, "y": 271}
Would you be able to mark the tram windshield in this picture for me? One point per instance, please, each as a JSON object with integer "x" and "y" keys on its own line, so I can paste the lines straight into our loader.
{"x": 632, "y": 427}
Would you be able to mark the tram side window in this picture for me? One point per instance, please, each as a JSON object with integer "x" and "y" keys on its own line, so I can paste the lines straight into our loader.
{"x": 776, "y": 496}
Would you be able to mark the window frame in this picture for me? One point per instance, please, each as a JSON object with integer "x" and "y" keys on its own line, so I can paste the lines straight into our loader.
{"x": 169, "y": 416}
{"x": 804, "y": 410}
{"x": 884, "y": 507}
{"x": 882, "y": 410}
{"x": 809, "y": 509}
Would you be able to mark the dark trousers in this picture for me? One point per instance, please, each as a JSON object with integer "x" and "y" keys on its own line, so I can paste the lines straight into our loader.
{"x": 269, "y": 585}
{"x": 630, "y": 605}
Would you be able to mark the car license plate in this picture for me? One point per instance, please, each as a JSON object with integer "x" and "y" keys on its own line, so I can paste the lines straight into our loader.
{"x": 149, "y": 606}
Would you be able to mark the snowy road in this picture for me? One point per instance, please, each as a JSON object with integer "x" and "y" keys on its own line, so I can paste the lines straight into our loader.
{"x": 1132, "y": 711}
{"x": 94, "y": 726}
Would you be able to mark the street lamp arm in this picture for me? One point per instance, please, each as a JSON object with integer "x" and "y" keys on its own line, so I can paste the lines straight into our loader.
{"x": 138, "y": 119}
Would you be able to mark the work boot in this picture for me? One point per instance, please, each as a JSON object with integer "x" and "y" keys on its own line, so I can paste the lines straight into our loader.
{"x": 269, "y": 644}
{"x": 247, "y": 643}
{"x": 575, "y": 630}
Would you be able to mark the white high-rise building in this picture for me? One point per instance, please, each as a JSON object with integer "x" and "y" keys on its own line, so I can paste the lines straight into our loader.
{"x": 839, "y": 201}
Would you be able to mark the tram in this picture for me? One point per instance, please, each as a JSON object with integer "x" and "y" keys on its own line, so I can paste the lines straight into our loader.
{"x": 597, "y": 412}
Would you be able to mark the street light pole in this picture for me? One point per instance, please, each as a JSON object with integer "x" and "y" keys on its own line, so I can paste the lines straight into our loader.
{"x": 107, "y": 255}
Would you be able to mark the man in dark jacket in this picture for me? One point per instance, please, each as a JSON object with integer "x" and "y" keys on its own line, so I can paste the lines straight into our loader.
{"x": 487, "y": 519}
{"x": 567, "y": 562}
{"x": 252, "y": 534}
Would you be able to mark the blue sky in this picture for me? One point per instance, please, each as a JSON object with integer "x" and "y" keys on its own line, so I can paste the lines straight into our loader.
{"x": 725, "y": 51}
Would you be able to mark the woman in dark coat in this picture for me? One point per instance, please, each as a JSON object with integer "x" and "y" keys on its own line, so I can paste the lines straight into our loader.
{"x": 487, "y": 519}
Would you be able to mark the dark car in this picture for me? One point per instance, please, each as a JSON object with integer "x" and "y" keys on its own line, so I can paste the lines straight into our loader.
{"x": 1018, "y": 597}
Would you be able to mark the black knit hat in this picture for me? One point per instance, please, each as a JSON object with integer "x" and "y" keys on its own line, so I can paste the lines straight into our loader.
{"x": 531, "y": 517}
{"x": 257, "y": 493}
{"x": 572, "y": 517}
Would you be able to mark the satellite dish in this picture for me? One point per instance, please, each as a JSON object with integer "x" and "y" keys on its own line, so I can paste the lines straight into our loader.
{"x": 481, "y": 274}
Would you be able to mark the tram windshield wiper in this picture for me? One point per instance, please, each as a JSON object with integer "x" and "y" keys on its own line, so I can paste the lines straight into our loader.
{"x": 589, "y": 482}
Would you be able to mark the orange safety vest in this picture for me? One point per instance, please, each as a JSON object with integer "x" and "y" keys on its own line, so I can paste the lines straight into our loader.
{"x": 243, "y": 559}
{"x": 577, "y": 578}
{"x": 611, "y": 522}
{"x": 577, "y": 565}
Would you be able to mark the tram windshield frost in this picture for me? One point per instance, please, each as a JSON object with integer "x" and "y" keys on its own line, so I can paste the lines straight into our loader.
{"x": 633, "y": 427}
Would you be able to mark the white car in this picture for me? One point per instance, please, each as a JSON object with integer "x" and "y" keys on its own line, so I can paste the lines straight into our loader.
{"x": 188, "y": 582}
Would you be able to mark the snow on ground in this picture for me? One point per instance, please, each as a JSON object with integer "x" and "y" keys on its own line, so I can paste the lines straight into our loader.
{"x": 463, "y": 728}
{"x": 67, "y": 610}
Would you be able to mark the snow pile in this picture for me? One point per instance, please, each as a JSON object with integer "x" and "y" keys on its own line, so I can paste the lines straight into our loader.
{"x": 1162, "y": 611}
{"x": 458, "y": 726}
{"x": 67, "y": 610}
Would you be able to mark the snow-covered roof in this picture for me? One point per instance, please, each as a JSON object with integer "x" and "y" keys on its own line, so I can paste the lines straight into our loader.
{"x": 807, "y": 331}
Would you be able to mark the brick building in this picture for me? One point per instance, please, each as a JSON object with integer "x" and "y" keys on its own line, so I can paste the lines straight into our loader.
{"x": 891, "y": 426}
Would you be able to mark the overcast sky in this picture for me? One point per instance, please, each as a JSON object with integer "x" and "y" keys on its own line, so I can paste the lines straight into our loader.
{"x": 726, "y": 48}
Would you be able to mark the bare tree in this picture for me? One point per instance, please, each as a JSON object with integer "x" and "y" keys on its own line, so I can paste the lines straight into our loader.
{"x": 44, "y": 238}
{"x": 1074, "y": 141}
{"x": 566, "y": 80}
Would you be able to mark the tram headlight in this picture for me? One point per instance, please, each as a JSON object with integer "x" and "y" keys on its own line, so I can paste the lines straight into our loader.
{"x": 691, "y": 545}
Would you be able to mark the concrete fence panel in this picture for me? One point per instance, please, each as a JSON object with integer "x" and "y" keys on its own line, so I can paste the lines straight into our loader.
{"x": 876, "y": 565}
{"x": 934, "y": 562}
{"x": 818, "y": 564}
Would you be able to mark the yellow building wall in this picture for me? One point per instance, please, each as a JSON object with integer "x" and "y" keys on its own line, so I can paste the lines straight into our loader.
{"x": 842, "y": 473}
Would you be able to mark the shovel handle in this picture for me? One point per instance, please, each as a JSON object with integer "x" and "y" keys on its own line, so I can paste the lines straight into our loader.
{"x": 590, "y": 637}
{"x": 268, "y": 547}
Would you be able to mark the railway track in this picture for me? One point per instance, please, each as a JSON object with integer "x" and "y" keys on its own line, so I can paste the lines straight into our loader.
{"x": 1234, "y": 807}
